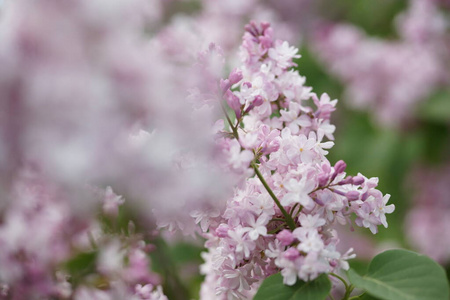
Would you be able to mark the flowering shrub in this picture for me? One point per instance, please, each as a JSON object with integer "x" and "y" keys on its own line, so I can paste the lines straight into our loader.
{"x": 281, "y": 219}
{"x": 109, "y": 136}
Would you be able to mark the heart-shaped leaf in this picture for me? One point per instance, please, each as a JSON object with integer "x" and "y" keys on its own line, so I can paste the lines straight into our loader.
{"x": 403, "y": 275}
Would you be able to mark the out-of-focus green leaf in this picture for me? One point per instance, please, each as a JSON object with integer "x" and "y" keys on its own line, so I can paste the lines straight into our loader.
{"x": 436, "y": 108}
{"x": 81, "y": 265}
{"x": 186, "y": 253}
{"x": 374, "y": 17}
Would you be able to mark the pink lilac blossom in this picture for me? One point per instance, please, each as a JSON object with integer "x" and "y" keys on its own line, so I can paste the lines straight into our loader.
{"x": 254, "y": 238}
{"x": 389, "y": 77}
{"x": 431, "y": 210}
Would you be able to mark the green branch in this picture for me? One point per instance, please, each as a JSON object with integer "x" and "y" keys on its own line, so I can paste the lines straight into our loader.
{"x": 348, "y": 288}
{"x": 233, "y": 128}
{"x": 288, "y": 218}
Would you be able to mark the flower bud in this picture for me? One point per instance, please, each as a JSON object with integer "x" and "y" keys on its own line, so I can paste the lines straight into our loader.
{"x": 222, "y": 230}
{"x": 323, "y": 179}
{"x": 234, "y": 103}
{"x": 247, "y": 84}
{"x": 347, "y": 180}
{"x": 235, "y": 76}
{"x": 340, "y": 166}
{"x": 365, "y": 196}
{"x": 358, "y": 180}
{"x": 258, "y": 100}
{"x": 352, "y": 195}
{"x": 224, "y": 85}
{"x": 285, "y": 237}
{"x": 291, "y": 254}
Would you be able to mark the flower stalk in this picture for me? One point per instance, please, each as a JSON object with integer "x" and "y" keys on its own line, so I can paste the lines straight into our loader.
{"x": 290, "y": 222}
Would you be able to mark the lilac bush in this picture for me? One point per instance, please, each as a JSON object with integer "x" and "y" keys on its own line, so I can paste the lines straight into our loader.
{"x": 113, "y": 131}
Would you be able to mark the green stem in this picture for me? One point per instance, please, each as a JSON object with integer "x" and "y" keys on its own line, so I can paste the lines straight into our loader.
{"x": 277, "y": 219}
{"x": 293, "y": 208}
{"x": 235, "y": 133}
{"x": 288, "y": 218}
{"x": 298, "y": 212}
{"x": 276, "y": 229}
{"x": 341, "y": 279}
{"x": 328, "y": 186}
{"x": 348, "y": 291}
{"x": 348, "y": 288}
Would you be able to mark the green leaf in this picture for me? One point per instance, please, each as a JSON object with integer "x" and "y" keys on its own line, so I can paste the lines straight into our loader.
{"x": 81, "y": 262}
{"x": 367, "y": 297}
{"x": 81, "y": 265}
{"x": 182, "y": 253}
{"x": 436, "y": 108}
{"x": 403, "y": 275}
{"x": 273, "y": 288}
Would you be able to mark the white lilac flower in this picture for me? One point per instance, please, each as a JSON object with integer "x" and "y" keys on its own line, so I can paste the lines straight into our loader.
{"x": 298, "y": 192}
{"x": 239, "y": 239}
{"x": 258, "y": 226}
{"x": 382, "y": 209}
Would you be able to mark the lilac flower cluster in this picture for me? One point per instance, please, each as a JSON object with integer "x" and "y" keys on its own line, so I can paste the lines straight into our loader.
{"x": 390, "y": 77}
{"x": 281, "y": 218}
